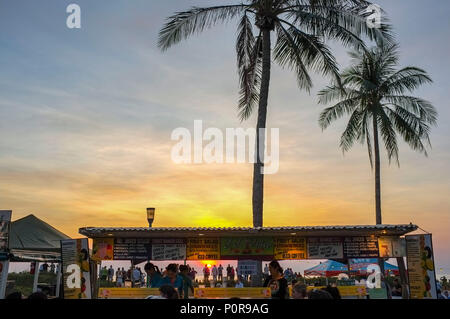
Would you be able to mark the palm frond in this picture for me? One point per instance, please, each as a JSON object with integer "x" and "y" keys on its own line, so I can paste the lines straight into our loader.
{"x": 183, "y": 24}
{"x": 352, "y": 131}
{"x": 419, "y": 107}
{"x": 388, "y": 135}
{"x": 314, "y": 53}
{"x": 288, "y": 52}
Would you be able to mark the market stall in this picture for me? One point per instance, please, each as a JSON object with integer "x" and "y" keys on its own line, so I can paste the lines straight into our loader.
{"x": 139, "y": 244}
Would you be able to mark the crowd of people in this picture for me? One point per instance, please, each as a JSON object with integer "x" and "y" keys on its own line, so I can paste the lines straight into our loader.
{"x": 177, "y": 281}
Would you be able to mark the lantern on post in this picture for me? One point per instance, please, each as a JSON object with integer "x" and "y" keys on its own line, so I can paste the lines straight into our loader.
{"x": 150, "y": 216}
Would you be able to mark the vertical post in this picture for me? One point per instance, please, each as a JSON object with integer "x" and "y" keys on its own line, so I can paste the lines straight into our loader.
{"x": 3, "y": 277}
{"x": 58, "y": 279}
{"x": 403, "y": 277}
{"x": 36, "y": 276}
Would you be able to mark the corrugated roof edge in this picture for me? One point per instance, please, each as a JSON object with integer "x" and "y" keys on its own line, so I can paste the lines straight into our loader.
{"x": 86, "y": 230}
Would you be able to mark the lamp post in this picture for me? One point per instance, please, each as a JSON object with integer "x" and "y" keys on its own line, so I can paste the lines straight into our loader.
{"x": 150, "y": 216}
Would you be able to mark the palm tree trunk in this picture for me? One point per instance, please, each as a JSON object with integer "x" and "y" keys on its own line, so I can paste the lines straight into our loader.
{"x": 377, "y": 172}
{"x": 377, "y": 183}
{"x": 258, "y": 176}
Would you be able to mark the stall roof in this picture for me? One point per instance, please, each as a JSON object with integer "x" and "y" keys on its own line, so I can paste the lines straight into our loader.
{"x": 34, "y": 239}
{"x": 306, "y": 231}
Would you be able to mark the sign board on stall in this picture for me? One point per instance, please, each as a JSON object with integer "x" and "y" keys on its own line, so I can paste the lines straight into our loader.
{"x": 245, "y": 247}
{"x": 137, "y": 249}
{"x": 420, "y": 260}
{"x": 243, "y": 293}
{"x": 360, "y": 247}
{"x": 5, "y": 224}
{"x": 127, "y": 293}
{"x": 76, "y": 271}
{"x": 289, "y": 248}
{"x": 392, "y": 247}
{"x": 102, "y": 249}
{"x": 325, "y": 248}
{"x": 344, "y": 291}
{"x": 247, "y": 267}
{"x": 377, "y": 293}
{"x": 169, "y": 249}
{"x": 203, "y": 249}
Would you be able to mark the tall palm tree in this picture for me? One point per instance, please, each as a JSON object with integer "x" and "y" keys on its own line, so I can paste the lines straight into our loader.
{"x": 376, "y": 97}
{"x": 300, "y": 26}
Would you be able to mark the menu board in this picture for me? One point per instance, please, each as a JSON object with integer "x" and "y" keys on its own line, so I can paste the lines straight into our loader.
{"x": 5, "y": 221}
{"x": 243, "y": 247}
{"x": 392, "y": 247}
{"x": 102, "y": 249}
{"x": 132, "y": 249}
{"x": 325, "y": 248}
{"x": 169, "y": 249}
{"x": 203, "y": 249}
{"x": 76, "y": 271}
{"x": 360, "y": 247}
{"x": 289, "y": 248}
{"x": 247, "y": 267}
{"x": 420, "y": 260}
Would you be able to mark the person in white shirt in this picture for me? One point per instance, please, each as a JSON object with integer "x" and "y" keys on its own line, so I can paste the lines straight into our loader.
{"x": 214, "y": 273}
{"x": 136, "y": 274}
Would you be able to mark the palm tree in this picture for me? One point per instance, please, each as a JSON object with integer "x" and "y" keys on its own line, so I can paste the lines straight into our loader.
{"x": 300, "y": 26}
{"x": 375, "y": 96}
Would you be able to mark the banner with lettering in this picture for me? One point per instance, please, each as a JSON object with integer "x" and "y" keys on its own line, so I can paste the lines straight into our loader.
{"x": 325, "y": 248}
{"x": 203, "y": 249}
{"x": 260, "y": 248}
{"x": 420, "y": 261}
{"x": 76, "y": 270}
{"x": 289, "y": 248}
{"x": 169, "y": 249}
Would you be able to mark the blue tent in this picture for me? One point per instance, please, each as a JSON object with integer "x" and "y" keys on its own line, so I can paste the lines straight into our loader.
{"x": 360, "y": 265}
{"x": 329, "y": 268}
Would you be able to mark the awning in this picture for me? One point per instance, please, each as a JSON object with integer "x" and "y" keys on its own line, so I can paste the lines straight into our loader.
{"x": 32, "y": 239}
{"x": 306, "y": 231}
{"x": 329, "y": 268}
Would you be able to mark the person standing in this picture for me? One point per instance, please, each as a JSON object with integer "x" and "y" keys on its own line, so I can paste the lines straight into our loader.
{"x": 266, "y": 272}
{"x": 172, "y": 278}
{"x": 154, "y": 276}
{"x": 119, "y": 278}
{"x": 214, "y": 273}
{"x": 228, "y": 272}
{"x": 205, "y": 274}
{"x": 52, "y": 268}
{"x": 232, "y": 273}
{"x": 220, "y": 273}
{"x": 136, "y": 277}
{"x": 276, "y": 282}
{"x": 187, "y": 282}
{"x": 110, "y": 273}
{"x": 192, "y": 274}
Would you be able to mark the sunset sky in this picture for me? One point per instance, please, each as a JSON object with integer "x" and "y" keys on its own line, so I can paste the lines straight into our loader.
{"x": 87, "y": 116}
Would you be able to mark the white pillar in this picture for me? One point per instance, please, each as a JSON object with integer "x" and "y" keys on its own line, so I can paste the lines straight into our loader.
{"x": 58, "y": 279}
{"x": 4, "y": 278}
{"x": 36, "y": 276}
